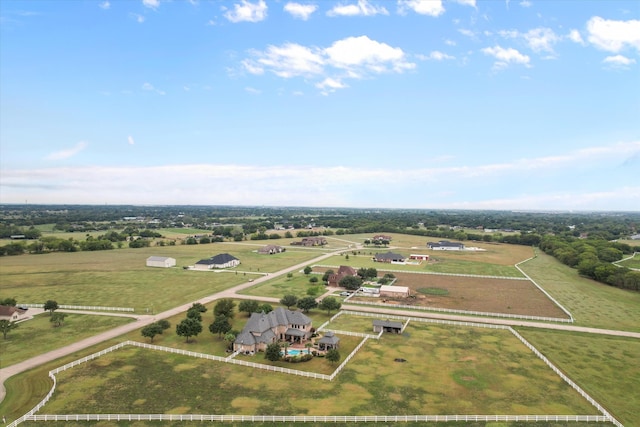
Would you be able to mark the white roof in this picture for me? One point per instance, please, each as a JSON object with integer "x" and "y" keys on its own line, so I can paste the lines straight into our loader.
{"x": 158, "y": 258}
{"x": 399, "y": 289}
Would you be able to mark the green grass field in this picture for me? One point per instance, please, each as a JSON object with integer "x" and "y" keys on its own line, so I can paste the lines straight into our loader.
{"x": 606, "y": 367}
{"x": 632, "y": 262}
{"x": 591, "y": 303}
{"x": 120, "y": 278}
{"x": 38, "y": 336}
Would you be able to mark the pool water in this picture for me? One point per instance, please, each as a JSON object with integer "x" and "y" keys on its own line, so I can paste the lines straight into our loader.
{"x": 294, "y": 352}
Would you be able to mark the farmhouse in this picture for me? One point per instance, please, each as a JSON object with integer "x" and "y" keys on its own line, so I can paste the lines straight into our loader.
{"x": 263, "y": 329}
{"x": 218, "y": 261}
{"x": 11, "y": 313}
{"x": 328, "y": 341}
{"x": 387, "y": 326}
{"x": 311, "y": 241}
{"x": 389, "y": 257}
{"x": 161, "y": 261}
{"x": 445, "y": 245}
{"x": 271, "y": 249}
{"x": 394, "y": 291}
{"x": 419, "y": 257}
{"x": 343, "y": 271}
{"x": 381, "y": 239}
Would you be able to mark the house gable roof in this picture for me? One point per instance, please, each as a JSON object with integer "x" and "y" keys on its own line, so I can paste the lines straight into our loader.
{"x": 387, "y": 323}
{"x": 390, "y": 256}
{"x": 259, "y": 327}
{"x": 223, "y": 258}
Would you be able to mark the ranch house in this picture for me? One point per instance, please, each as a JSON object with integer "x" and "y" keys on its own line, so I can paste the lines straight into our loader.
{"x": 343, "y": 271}
{"x": 263, "y": 329}
{"x": 445, "y": 245}
{"x": 271, "y": 249}
{"x": 218, "y": 261}
{"x": 12, "y": 314}
{"x": 389, "y": 257}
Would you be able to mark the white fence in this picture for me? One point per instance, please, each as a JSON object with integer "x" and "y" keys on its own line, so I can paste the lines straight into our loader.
{"x": 82, "y": 307}
{"x": 320, "y": 419}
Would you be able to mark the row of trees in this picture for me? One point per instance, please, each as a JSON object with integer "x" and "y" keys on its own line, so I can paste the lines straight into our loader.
{"x": 593, "y": 258}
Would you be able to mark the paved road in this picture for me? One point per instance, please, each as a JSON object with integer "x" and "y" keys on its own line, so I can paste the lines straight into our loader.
{"x": 143, "y": 320}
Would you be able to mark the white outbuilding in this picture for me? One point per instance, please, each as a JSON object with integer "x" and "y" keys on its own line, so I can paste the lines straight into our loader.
{"x": 161, "y": 261}
{"x": 394, "y": 291}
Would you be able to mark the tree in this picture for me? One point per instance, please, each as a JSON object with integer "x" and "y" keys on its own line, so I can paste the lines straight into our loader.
{"x": 266, "y": 308}
{"x": 57, "y": 319}
{"x": 289, "y": 301}
{"x": 307, "y": 303}
{"x": 330, "y": 304}
{"x": 352, "y": 283}
{"x": 249, "y": 306}
{"x": 198, "y": 307}
{"x": 51, "y": 306}
{"x": 272, "y": 352}
{"x": 188, "y": 328}
{"x": 224, "y": 307}
{"x": 164, "y": 324}
{"x": 230, "y": 337}
{"x": 333, "y": 355}
{"x": 6, "y": 326}
{"x": 313, "y": 279}
{"x": 220, "y": 325}
{"x": 307, "y": 270}
{"x": 194, "y": 314}
{"x": 151, "y": 330}
{"x": 9, "y": 301}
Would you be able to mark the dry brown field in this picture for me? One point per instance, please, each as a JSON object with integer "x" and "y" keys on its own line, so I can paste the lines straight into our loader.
{"x": 488, "y": 295}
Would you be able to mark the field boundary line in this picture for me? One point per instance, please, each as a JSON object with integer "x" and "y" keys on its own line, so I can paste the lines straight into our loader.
{"x": 82, "y": 307}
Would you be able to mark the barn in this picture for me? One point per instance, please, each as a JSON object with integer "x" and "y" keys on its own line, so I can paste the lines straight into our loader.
{"x": 161, "y": 261}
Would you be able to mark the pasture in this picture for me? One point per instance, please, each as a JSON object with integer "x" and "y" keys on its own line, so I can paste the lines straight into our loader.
{"x": 120, "y": 277}
{"x": 591, "y": 303}
{"x": 448, "y": 370}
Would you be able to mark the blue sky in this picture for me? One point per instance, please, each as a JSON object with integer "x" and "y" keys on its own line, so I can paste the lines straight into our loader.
{"x": 465, "y": 104}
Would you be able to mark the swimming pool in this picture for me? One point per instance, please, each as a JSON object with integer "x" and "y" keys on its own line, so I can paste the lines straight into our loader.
{"x": 294, "y": 352}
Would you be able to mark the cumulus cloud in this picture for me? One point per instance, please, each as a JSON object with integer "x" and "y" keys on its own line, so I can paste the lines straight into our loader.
{"x": 538, "y": 39}
{"x": 139, "y": 18}
{"x": 618, "y": 61}
{"x": 349, "y": 58}
{"x": 439, "y": 56}
{"x": 300, "y": 11}
{"x": 151, "y": 4}
{"x": 104, "y": 5}
{"x": 361, "y": 8}
{"x": 246, "y": 11}
{"x": 505, "y": 57}
{"x": 130, "y": 140}
{"x": 421, "y": 7}
{"x": 68, "y": 153}
{"x": 574, "y": 36}
{"x": 613, "y": 36}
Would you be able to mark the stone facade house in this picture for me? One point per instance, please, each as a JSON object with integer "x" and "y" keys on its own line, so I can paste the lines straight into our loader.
{"x": 343, "y": 271}
{"x": 263, "y": 329}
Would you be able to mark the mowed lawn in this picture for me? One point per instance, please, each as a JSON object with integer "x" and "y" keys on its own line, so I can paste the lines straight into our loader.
{"x": 120, "y": 277}
{"x": 448, "y": 370}
{"x": 591, "y": 303}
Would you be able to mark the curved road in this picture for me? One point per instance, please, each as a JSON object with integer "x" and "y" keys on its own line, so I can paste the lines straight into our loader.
{"x": 143, "y": 320}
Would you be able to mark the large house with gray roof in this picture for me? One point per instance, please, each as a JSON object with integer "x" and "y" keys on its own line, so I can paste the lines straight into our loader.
{"x": 218, "y": 261}
{"x": 263, "y": 329}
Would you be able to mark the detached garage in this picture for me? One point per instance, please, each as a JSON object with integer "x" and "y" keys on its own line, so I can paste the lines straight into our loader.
{"x": 161, "y": 261}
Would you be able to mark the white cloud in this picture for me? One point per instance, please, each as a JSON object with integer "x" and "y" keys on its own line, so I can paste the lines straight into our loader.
{"x": 252, "y": 91}
{"x": 65, "y": 154}
{"x": 330, "y": 85}
{"x": 525, "y": 3}
{"x": 537, "y": 39}
{"x": 130, "y": 140}
{"x": 471, "y": 3}
{"x": 618, "y": 61}
{"x": 421, "y": 7}
{"x": 574, "y": 36}
{"x": 150, "y": 88}
{"x": 613, "y": 36}
{"x": 505, "y": 57}
{"x": 300, "y": 11}
{"x": 104, "y": 5}
{"x": 349, "y": 58}
{"x": 245, "y": 11}
{"x": 139, "y": 18}
{"x": 361, "y": 8}
{"x": 439, "y": 56}
{"x": 151, "y": 4}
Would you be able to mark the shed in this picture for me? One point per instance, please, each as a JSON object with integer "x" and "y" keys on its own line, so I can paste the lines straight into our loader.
{"x": 387, "y": 326}
{"x": 161, "y": 261}
{"x": 394, "y": 291}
